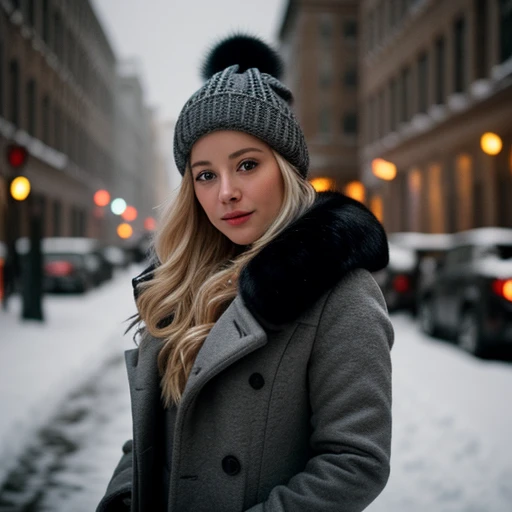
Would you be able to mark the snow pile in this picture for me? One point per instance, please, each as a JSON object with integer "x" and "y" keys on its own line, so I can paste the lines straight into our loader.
{"x": 42, "y": 363}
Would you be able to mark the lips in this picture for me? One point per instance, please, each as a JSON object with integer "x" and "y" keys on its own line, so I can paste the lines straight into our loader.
{"x": 237, "y": 218}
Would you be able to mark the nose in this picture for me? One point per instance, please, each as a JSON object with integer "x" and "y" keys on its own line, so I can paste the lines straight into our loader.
{"x": 229, "y": 192}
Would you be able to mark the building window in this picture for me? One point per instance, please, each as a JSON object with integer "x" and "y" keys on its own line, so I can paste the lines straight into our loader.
{"x": 46, "y": 21}
{"x": 371, "y": 31}
{"x": 350, "y": 123}
{"x": 459, "y": 54}
{"x": 31, "y": 108}
{"x": 440, "y": 70}
{"x": 405, "y": 91}
{"x": 58, "y": 46}
{"x": 57, "y": 218}
{"x": 380, "y": 22}
{"x": 481, "y": 44}
{"x": 324, "y": 122}
{"x": 14, "y": 92}
{"x": 57, "y": 128}
{"x": 45, "y": 117}
{"x": 350, "y": 77}
{"x": 325, "y": 29}
{"x": 350, "y": 30}
{"x": 505, "y": 30}
{"x": 31, "y": 12}
{"x": 393, "y": 101}
{"x": 423, "y": 83}
{"x": 2, "y": 78}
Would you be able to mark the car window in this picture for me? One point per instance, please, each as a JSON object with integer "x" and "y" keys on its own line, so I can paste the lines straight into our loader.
{"x": 75, "y": 259}
{"x": 458, "y": 256}
{"x": 504, "y": 252}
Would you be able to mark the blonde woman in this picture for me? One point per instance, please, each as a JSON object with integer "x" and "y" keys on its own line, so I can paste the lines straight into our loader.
{"x": 263, "y": 379}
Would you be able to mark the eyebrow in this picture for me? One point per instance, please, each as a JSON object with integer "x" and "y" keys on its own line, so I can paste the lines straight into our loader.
{"x": 236, "y": 154}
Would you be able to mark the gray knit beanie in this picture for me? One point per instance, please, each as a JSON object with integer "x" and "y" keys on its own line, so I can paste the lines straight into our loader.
{"x": 242, "y": 92}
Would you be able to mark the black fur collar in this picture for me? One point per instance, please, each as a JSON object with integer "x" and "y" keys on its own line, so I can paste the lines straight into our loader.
{"x": 336, "y": 235}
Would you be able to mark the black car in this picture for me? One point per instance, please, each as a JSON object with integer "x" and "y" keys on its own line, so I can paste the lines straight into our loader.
{"x": 470, "y": 297}
{"x": 412, "y": 258}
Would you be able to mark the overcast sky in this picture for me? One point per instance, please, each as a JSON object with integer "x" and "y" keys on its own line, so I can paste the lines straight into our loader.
{"x": 170, "y": 38}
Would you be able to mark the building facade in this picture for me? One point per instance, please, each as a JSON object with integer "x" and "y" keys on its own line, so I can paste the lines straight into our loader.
{"x": 435, "y": 77}
{"x": 319, "y": 43}
{"x": 58, "y": 90}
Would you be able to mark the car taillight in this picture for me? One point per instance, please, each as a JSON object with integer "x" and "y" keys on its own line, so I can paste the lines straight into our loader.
{"x": 503, "y": 288}
{"x": 59, "y": 268}
{"x": 401, "y": 284}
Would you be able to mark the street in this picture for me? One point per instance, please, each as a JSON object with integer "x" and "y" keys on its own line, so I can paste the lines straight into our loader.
{"x": 451, "y": 450}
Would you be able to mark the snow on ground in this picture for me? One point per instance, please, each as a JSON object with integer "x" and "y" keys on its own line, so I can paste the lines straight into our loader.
{"x": 452, "y": 423}
{"x": 41, "y": 363}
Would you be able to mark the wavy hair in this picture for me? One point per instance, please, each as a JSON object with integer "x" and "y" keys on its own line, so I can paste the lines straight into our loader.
{"x": 198, "y": 275}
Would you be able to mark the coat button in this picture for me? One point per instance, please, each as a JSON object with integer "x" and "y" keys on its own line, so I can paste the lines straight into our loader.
{"x": 256, "y": 380}
{"x": 230, "y": 465}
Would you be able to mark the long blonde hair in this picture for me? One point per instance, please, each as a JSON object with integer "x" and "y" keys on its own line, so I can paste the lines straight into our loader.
{"x": 198, "y": 274}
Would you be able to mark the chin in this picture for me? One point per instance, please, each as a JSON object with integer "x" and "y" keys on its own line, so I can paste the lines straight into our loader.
{"x": 242, "y": 238}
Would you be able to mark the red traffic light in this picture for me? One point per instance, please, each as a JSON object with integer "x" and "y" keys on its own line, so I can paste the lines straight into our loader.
{"x": 16, "y": 156}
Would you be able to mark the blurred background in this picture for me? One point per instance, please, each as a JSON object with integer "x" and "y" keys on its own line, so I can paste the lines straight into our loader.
{"x": 406, "y": 106}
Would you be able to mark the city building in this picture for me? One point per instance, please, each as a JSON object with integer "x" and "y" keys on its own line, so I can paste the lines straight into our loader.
{"x": 58, "y": 99}
{"x": 319, "y": 42}
{"x": 435, "y": 99}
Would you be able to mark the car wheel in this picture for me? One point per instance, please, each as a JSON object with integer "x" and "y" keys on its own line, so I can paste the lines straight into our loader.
{"x": 468, "y": 333}
{"x": 426, "y": 317}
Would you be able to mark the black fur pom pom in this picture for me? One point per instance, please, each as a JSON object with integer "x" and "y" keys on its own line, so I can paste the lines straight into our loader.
{"x": 246, "y": 51}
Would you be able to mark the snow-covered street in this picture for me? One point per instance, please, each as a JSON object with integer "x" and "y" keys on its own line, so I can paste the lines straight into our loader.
{"x": 65, "y": 392}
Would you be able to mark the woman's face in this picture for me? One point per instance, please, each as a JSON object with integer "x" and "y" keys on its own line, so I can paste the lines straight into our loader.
{"x": 238, "y": 183}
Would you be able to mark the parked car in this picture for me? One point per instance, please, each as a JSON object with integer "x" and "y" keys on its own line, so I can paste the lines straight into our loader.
{"x": 412, "y": 260}
{"x": 70, "y": 263}
{"x": 116, "y": 256}
{"x": 470, "y": 297}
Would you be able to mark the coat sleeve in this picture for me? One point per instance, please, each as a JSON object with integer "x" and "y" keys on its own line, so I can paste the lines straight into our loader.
{"x": 350, "y": 396}
{"x": 119, "y": 491}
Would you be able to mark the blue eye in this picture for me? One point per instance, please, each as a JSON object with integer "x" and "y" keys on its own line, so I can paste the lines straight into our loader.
{"x": 205, "y": 176}
{"x": 248, "y": 165}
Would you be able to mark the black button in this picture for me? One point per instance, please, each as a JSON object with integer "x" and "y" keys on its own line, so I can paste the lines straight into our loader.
{"x": 230, "y": 465}
{"x": 256, "y": 380}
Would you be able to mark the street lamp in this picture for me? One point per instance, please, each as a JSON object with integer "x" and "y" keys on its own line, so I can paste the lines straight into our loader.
{"x": 491, "y": 143}
{"x": 20, "y": 188}
{"x": 118, "y": 206}
{"x": 383, "y": 169}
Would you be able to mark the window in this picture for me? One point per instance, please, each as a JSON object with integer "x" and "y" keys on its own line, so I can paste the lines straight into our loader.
{"x": 45, "y": 116}
{"x": 481, "y": 43}
{"x": 31, "y": 108}
{"x": 57, "y": 128}
{"x": 46, "y": 21}
{"x": 350, "y": 77}
{"x": 2, "y": 78}
{"x": 371, "y": 31}
{"x": 459, "y": 54}
{"x": 31, "y": 12}
{"x": 350, "y": 30}
{"x": 440, "y": 70}
{"x": 324, "y": 122}
{"x": 423, "y": 83}
{"x": 393, "y": 102}
{"x": 405, "y": 79}
{"x": 505, "y": 30}
{"x": 325, "y": 29}
{"x": 350, "y": 123}
{"x": 58, "y": 46}
{"x": 14, "y": 92}
{"x": 57, "y": 218}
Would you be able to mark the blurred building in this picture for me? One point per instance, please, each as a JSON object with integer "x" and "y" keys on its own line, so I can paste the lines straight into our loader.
{"x": 435, "y": 77}
{"x": 58, "y": 90}
{"x": 319, "y": 43}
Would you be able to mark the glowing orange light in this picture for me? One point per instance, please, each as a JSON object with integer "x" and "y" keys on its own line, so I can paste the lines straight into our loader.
{"x": 323, "y": 184}
{"x": 124, "y": 231}
{"x": 150, "y": 224}
{"x": 383, "y": 169}
{"x": 377, "y": 207}
{"x": 491, "y": 143}
{"x": 20, "y": 188}
{"x": 130, "y": 214}
{"x": 101, "y": 198}
{"x": 355, "y": 190}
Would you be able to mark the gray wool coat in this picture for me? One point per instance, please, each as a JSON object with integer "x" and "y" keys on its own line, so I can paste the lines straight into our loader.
{"x": 294, "y": 417}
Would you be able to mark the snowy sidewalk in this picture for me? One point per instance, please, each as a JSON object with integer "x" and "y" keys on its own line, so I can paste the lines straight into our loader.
{"x": 41, "y": 363}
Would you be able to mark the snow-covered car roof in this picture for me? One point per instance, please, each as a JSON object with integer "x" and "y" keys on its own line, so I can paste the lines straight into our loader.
{"x": 484, "y": 236}
{"x": 76, "y": 245}
{"x": 421, "y": 241}
{"x": 401, "y": 259}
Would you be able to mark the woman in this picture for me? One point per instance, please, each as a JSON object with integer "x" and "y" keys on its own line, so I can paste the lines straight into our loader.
{"x": 263, "y": 378}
